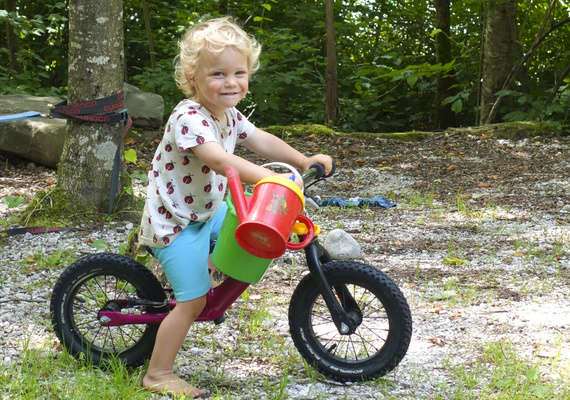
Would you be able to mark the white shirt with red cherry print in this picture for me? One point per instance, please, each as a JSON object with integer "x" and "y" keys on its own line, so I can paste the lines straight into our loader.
{"x": 181, "y": 188}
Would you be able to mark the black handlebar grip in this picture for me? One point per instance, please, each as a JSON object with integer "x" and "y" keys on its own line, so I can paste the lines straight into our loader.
{"x": 319, "y": 170}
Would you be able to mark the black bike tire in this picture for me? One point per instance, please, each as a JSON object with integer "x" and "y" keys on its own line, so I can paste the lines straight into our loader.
{"x": 314, "y": 351}
{"x": 65, "y": 292}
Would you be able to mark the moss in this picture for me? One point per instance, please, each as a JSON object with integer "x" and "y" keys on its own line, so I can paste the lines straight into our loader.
{"x": 408, "y": 136}
{"x": 508, "y": 130}
{"x": 292, "y": 131}
{"x": 505, "y": 130}
{"x": 56, "y": 208}
{"x": 299, "y": 130}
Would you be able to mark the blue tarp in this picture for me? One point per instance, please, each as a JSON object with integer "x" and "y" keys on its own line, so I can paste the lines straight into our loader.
{"x": 377, "y": 201}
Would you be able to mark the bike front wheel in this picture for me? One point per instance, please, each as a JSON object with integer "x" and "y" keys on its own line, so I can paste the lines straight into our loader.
{"x": 104, "y": 282}
{"x": 375, "y": 304}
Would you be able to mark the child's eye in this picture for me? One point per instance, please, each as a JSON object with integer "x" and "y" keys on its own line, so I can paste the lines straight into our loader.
{"x": 218, "y": 74}
{"x": 241, "y": 73}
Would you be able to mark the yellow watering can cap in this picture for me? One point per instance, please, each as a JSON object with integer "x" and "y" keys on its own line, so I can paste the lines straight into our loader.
{"x": 279, "y": 180}
{"x": 301, "y": 229}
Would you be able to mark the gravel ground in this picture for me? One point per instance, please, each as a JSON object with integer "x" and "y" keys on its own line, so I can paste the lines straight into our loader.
{"x": 479, "y": 244}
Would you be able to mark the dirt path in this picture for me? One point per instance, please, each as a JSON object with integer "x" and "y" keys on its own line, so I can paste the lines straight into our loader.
{"x": 479, "y": 242}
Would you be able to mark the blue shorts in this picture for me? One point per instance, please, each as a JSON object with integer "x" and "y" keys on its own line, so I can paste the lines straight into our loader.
{"x": 185, "y": 260}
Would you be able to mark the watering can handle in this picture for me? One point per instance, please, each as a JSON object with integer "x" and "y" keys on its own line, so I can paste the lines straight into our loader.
{"x": 236, "y": 190}
{"x": 287, "y": 166}
{"x": 308, "y": 237}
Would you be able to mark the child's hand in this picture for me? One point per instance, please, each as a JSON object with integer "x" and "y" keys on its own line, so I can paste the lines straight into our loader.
{"x": 324, "y": 160}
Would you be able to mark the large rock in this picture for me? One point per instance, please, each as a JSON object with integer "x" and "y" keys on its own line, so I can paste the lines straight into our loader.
{"x": 41, "y": 139}
{"x": 146, "y": 109}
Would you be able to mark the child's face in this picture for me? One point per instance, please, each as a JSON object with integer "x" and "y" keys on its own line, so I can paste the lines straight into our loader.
{"x": 221, "y": 80}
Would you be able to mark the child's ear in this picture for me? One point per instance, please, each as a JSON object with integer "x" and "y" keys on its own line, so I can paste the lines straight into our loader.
{"x": 189, "y": 78}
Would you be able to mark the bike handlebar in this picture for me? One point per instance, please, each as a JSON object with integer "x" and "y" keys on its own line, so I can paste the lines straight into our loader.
{"x": 317, "y": 171}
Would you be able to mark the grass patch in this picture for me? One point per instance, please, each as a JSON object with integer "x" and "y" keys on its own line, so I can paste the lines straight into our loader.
{"x": 44, "y": 374}
{"x": 505, "y": 374}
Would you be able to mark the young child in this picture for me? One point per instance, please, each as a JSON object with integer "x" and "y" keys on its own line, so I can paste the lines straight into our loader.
{"x": 184, "y": 209}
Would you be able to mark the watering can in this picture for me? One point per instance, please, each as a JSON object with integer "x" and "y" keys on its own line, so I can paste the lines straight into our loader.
{"x": 267, "y": 220}
{"x": 230, "y": 258}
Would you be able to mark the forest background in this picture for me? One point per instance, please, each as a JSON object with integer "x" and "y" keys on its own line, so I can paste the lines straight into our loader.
{"x": 400, "y": 65}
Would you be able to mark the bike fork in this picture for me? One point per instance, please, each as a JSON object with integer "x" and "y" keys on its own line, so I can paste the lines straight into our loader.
{"x": 337, "y": 304}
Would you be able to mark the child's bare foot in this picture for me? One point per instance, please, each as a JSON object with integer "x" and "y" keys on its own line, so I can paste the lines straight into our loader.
{"x": 170, "y": 384}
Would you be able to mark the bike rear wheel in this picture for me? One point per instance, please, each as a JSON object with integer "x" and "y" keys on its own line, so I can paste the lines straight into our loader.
{"x": 104, "y": 282}
{"x": 376, "y": 305}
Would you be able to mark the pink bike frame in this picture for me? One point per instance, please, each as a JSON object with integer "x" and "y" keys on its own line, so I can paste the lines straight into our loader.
{"x": 218, "y": 300}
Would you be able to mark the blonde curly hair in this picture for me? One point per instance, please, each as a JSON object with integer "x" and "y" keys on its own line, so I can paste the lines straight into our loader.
{"x": 213, "y": 35}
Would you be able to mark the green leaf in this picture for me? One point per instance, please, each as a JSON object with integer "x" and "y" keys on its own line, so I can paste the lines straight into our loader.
{"x": 412, "y": 79}
{"x": 502, "y": 93}
{"x": 101, "y": 244}
{"x": 144, "y": 259}
{"x": 533, "y": 375}
{"x": 457, "y": 106}
{"x": 453, "y": 260}
{"x": 131, "y": 156}
{"x": 14, "y": 201}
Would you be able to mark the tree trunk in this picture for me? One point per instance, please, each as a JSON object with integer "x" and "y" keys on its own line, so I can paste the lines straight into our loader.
{"x": 12, "y": 39}
{"x": 96, "y": 59}
{"x": 500, "y": 52}
{"x": 149, "y": 35}
{"x": 223, "y": 8}
{"x": 331, "y": 76}
{"x": 444, "y": 115}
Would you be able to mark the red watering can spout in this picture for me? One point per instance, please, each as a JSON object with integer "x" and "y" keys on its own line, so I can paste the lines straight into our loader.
{"x": 236, "y": 190}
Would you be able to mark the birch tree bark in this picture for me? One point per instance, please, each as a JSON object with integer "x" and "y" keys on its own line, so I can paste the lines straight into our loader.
{"x": 96, "y": 60}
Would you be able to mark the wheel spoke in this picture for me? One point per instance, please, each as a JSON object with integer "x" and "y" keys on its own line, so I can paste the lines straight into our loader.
{"x": 370, "y": 335}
